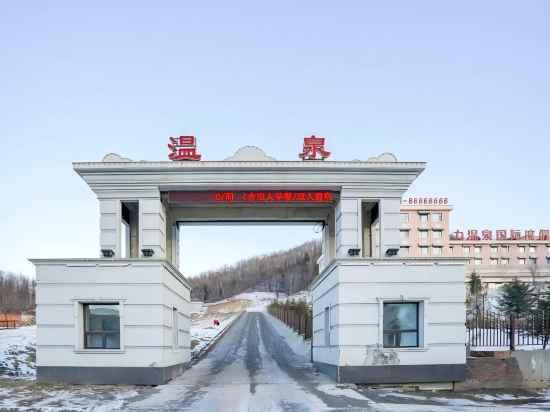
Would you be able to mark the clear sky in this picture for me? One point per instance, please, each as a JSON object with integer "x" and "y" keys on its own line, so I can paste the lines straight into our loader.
{"x": 462, "y": 85}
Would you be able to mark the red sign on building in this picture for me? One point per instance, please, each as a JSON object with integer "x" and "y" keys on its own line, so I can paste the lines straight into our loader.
{"x": 183, "y": 148}
{"x": 269, "y": 196}
{"x": 502, "y": 234}
{"x": 314, "y": 149}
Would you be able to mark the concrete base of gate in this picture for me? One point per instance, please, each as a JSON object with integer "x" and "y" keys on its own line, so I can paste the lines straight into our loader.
{"x": 394, "y": 374}
{"x": 109, "y": 375}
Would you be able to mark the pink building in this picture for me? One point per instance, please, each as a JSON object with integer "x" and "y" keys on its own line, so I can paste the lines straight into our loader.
{"x": 496, "y": 255}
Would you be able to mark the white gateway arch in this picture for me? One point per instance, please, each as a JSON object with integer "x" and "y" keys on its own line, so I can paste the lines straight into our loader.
{"x": 124, "y": 317}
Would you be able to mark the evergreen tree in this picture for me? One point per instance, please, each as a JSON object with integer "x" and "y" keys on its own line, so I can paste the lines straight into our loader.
{"x": 516, "y": 298}
{"x": 542, "y": 321}
{"x": 475, "y": 289}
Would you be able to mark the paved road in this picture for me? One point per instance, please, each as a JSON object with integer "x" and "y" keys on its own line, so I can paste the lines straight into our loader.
{"x": 252, "y": 369}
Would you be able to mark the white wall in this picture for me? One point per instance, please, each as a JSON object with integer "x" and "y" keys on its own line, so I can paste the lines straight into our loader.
{"x": 356, "y": 289}
{"x": 147, "y": 292}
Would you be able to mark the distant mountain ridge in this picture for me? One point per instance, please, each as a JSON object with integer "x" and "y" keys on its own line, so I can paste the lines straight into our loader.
{"x": 287, "y": 271}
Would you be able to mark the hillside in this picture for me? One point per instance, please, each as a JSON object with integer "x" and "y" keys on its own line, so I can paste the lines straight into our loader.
{"x": 286, "y": 271}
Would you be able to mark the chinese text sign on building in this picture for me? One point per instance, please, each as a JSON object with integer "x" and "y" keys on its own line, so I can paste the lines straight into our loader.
{"x": 473, "y": 234}
{"x": 314, "y": 149}
{"x": 183, "y": 148}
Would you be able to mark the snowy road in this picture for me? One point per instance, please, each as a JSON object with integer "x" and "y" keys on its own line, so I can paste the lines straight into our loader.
{"x": 252, "y": 369}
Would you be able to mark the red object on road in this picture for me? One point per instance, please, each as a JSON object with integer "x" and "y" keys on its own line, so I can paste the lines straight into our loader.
{"x": 216, "y": 322}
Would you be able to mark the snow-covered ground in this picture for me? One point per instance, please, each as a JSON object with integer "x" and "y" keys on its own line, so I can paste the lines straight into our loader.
{"x": 254, "y": 388}
{"x": 18, "y": 353}
{"x": 203, "y": 330}
{"x": 259, "y": 301}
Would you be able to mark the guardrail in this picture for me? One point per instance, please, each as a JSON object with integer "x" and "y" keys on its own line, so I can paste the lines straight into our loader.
{"x": 8, "y": 324}
{"x": 300, "y": 322}
{"x": 493, "y": 329}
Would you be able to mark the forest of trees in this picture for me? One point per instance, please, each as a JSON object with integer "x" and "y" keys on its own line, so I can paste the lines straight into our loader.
{"x": 287, "y": 271}
{"x": 17, "y": 293}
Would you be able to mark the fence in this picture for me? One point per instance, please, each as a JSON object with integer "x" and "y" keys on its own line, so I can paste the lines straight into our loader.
{"x": 300, "y": 322}
{"x": 8, "y": 324}
{"x": 488, "y": 329}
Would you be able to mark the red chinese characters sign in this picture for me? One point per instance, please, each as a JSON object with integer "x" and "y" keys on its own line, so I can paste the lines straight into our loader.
{"x": 501, "y": 234}
{"x": 269, "y": 196}
{"x": 314, "y": 149}
{"x": 183, "y": 148}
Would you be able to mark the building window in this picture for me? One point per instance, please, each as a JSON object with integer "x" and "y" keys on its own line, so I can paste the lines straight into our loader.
{"x": 505, "y": 250}
{"x": 477, "y": 250}
{"x": 404, "y": 218}
{"x": 423, "y": 235}
{"x": 424, "y": 218}
{"x": 532, "y": 250}
{"x": 532, "y": 261}
{"x": 327, "y": 326}
{"x": 521, "y": 250}
{"x": 437, "y": 217}
{"x": 477, "y": 261}
{"x": 175, "y": 328}
{"x": 466, "y": 250}
{"x": 423, "y": 250}
{"x": 504, "y": 261}
{"x": 548, "y": 250}
{"x": 494, "y": 261}
{"x": 404, "y": 251}
{"x": 437, "y": 236}
{"x": 494, "y": 250}
{"x": 437, "y": 251}
{"x": 521, "y": 261}
{"x": 404, "y": 236}
{"x": 101, "y": 326}
{"x": 548, "y": 260}
{"x": 401, "y": 325}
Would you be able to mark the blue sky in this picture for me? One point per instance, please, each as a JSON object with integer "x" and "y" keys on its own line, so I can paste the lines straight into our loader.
{"x": 462, "y": 85}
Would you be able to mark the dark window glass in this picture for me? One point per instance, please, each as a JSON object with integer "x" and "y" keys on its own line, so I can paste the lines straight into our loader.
{"x": 102, "y": 326}
{"x": 400, "y": 325}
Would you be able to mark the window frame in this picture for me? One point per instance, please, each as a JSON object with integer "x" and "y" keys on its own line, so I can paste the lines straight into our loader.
{"x": 420, "y": 218}
{"x": 103, "y": 334}
{"x": 175, "y": 329}
{"x": 421, "y": 238}
{"x": 439, "y": 220}
{"x": 418, "y": 325}
{"x": 326, "y": 327}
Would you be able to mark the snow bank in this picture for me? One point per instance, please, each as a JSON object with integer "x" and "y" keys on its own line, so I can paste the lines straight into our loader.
{"x": 18, "y": 353}
{"x": 297, "y": 343}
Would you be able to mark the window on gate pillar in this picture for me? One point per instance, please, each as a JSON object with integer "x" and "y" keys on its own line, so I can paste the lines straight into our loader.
{"x": 175, "y": 328}
{"x": 101, "y": 326}
{"x": 370, "y": 218}
{"x": 129, "y": 230}
{"x": 401, "y": 324}
{"x": 327, "y": 326}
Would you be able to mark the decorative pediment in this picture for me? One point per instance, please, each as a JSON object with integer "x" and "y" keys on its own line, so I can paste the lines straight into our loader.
{"x": 250, "y": 154}
{"x": 384, "y": 157}
{"x": 114, "y": 158}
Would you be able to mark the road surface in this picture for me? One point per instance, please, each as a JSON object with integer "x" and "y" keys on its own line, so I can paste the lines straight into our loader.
{"x": 252, "y": 369}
